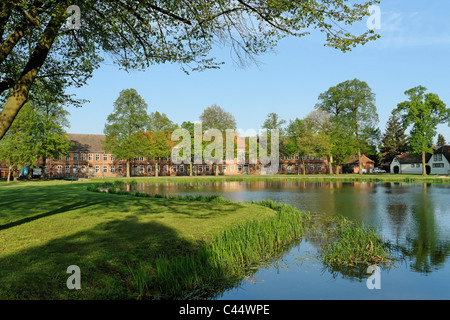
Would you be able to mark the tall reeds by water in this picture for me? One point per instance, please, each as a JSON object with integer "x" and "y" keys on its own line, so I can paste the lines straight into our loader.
{"x": 235, "y": 252}
{"x": 231, "y": 254}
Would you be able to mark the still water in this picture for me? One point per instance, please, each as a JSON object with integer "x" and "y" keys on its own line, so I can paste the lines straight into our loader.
{"x": 414, "y": 217}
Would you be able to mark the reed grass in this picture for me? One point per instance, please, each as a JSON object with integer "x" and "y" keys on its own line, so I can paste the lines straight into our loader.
{"x": 351, "y": 244}
{"x": 230, "y": 255}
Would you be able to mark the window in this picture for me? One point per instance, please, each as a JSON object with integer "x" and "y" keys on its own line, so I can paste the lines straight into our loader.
{"x": 304, "y": 157}
{"x": 438, "y": 157}
{"x": 97, "y": 169}
{"x": 418, "y": 165}
{"x": 438, "y": 165}
{"x": 105, "y": 169}
{"x": 60, "y": 158}
{"x": 112, "y": 157}
{"x": 296, "y": 167}
{"x": 90, "y": 156}
{"x": 120, "y": 169}
{"x": 105, "y": 157}
{"x": 46, "y": 169}
{"x": 141, "y": 159}
{"x": 83, "y": 157}
{"x": 75, "y": 156}
{"x": 113, "y": 169}
{"x": 97, "y": 157}
{"x": 75, "y": 169}
{"x": 67, "y": 169}
{"x": 174, "y": 168}
{"x": 181, "y": 168}
{"x": 83, "y": 169}
{"x": 289, "y": 157}
{"x": 283, "y": 167}
{"x": 311, "y": 157}
{"x": 207, "y": 168}
{"x": 166, "y": 168}
{"x": 311, "y": 167}
{"x": 59, "y": 169}
{"x": 200, "y": 168}
{"x": 296, "y": 157}
{"x": 141, "y": 169}
{"x": 68, "y": 157}
{"x": 224, "y": 168}
{"x": 319, "y": 167}
{"x": 149, "y": 169}
{"x": 240, "y": 168}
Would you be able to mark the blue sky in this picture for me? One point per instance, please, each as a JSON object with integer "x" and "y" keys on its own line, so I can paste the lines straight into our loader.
{"x": 414, "y": 49}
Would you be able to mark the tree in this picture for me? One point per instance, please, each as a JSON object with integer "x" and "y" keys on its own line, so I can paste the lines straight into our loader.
{"x": 273, "y": 121}
{"x": 394, "y": 140}
{"x": 38, "y": 39}
{"x": 333, "y": 102}
{"x": 441, "y": 140}
{"x": 359, "y": 105}
{"x": 422, "y": 112}
{"x": 215, "y": 117}
{"x": 17, "y": 148}
{"x": 51, "y": 119}
{"x": 157, "y": 145}
{"x": 319, "y": 123}
{"x": 160, "y": 123}
{"x": 124, "y": 126}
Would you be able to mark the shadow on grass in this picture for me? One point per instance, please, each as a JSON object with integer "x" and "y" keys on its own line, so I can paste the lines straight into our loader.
{"x": 105, "y": 255}
{"x": 73, "y": 206}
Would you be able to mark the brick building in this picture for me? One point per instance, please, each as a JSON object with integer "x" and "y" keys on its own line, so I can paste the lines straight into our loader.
{"x": 87, "y": 158}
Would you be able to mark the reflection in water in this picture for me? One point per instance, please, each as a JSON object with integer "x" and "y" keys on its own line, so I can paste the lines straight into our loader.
{"x": 403, "y": 213}
{"x": 414, "y": 217}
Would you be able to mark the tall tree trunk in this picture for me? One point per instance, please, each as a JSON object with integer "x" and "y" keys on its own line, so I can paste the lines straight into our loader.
{"x": 19, "y": 94}
{"x": 424, "y": 168}
{"x": 330, "y": 171}
{"x": 359, "y": 161}
{"x": 9, "y": 174}
{"x": 128, "y": 168}
{"x": 43, "y": 174}
{"x": 156, "y": 169}
{"x": 190, "y": 169}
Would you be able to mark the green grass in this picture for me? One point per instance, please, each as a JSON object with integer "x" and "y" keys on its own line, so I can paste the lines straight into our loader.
{"x": 350, "y": 244}
{"x": 133, "y": 245}
{"x": 47, "y": 226}
{"x": 230, "y": 255}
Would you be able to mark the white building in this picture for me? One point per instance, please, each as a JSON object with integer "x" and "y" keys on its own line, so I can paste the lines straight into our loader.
{"x": 436, "y": 164}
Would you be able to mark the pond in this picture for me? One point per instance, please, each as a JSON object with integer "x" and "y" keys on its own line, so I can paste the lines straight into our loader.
{"x": 414, "y": 217}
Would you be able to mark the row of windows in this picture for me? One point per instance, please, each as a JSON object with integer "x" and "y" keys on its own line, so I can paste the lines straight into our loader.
{"x": 90, "y": 157}
{"x": 306, "y": 166}
{"x": 104, "y": 156}
{"x": 175, "y": 168}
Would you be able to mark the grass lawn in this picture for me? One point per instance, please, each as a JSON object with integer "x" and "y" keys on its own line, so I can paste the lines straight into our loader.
{"x": 117, "y": 240}
{"x": 47, "y": 226}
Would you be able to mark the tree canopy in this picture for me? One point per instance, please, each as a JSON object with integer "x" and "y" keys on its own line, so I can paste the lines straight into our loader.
{"x": 422, "y": 112}
{"x": 39, "y": 40}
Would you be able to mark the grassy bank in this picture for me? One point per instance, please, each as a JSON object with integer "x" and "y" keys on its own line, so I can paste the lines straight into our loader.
{"x": 47, "y": 226}
{"x": 395, "y": 178}
{"x": 132, "y": 245}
